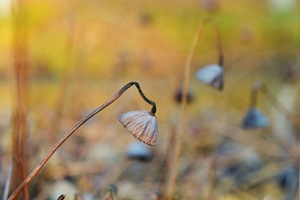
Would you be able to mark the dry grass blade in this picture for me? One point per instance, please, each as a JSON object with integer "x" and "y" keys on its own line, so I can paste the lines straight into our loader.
{"x": 166, "y": 163}
{"x": 264, "y": 146}
{"x": 187, "y": 70}
{"x": 20, "y": 65}
{"x": 278, "y": 105}
{"x": 61, "y": 197}
{"x": 8, "y": 180}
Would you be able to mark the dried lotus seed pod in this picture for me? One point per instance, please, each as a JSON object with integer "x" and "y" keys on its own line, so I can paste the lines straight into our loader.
{"x": 142, "y": 125}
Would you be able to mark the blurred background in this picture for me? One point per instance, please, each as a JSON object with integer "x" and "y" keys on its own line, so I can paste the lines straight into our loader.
{"x": 61, "y": 59}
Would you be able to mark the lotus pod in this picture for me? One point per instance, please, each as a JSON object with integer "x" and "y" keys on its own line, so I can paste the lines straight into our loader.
{"x": 255, "y": 119}
{"x": 211, "y": 75}
{"x": 142, "y": 125}
{"x": 139, "y": 151}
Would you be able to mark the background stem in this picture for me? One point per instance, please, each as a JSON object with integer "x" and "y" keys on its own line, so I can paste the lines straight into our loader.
{"x": 281, "y": 108}
{"x": 68, "y": 134}
{"x": 187, "y": 71}
{"x": 178, "y": 136}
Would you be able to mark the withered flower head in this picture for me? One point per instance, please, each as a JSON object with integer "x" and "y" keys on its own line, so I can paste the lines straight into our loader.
{"x": 255, "y": 119}
{"x": 142, "y": 125}
{"x": 211, "y": 75}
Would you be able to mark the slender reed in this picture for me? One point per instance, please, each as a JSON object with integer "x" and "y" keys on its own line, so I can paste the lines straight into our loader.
{"x": 187, "y": 71}
{"x": 8, "y": 180}
{"x": 79, "y": 124}
{"x": 271, "y": 98}
{"x": 20, "y": 70}
{"x": 261, "y": 87}
{"x": 61, "y": 197}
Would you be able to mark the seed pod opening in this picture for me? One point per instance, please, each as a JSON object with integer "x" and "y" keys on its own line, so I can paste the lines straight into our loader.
{"x": 255, "y": 119}
{"x": 142, "y": 125}
{"x": 211, "y": 75}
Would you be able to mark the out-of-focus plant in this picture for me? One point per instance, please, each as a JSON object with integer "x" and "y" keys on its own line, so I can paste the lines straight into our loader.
{"x": 215, "y": 80}
{"x": 255, "y": 118}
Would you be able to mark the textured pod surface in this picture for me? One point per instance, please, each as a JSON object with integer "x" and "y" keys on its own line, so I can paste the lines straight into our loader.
{"x": 255, "y": 119}
{"x": 139, "y": 151}
{"x": 211, "y": 75}
{"x": 142, "y": 125}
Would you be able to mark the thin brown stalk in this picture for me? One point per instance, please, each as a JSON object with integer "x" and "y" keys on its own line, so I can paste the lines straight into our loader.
{"x": 293, "y": 118}
{"x": 36, "y": 170}
{"x": 61, "y": 197}
{"x": 181, "y": 127}
{"x": 166, "y": 163}
{"x": 20, "y": 67}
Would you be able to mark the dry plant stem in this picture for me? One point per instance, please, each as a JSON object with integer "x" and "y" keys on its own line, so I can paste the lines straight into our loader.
{"x": 8, "y": 180}
{"x": 181, "y": 127}
{"x": 61, "y": 197}
{"x": 293, "y": 118}
{"x": 219, "y": 42}
{"x": 20, "y": 66}
{"x": 79, "y": 124}
{"x": 253, "y": 97}
{"x": 165, "y": 166}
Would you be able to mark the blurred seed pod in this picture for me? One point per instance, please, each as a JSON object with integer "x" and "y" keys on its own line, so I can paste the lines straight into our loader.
{"x": 179, "y": 93}
{"x": 142, "y": 125}
{"x": 255, "y": 119}
{"x": 211, "y": 75}
{"x": 288, "y": 178}
{"x": 139, "y": 151}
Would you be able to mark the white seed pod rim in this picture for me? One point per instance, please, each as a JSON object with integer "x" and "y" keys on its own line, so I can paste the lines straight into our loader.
{"x": 142, "y": 125}
{"x": 209, "y": 73}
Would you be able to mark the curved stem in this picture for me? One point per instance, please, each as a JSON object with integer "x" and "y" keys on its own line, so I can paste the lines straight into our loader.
{"x": 293, "y": 118}
{"x": 253, "y": 97}
{"x": 219, "y": 42}
{"x": 68, "y": 134}
{"x": 153, "y": 110}
{"x": 187, "y": 71}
